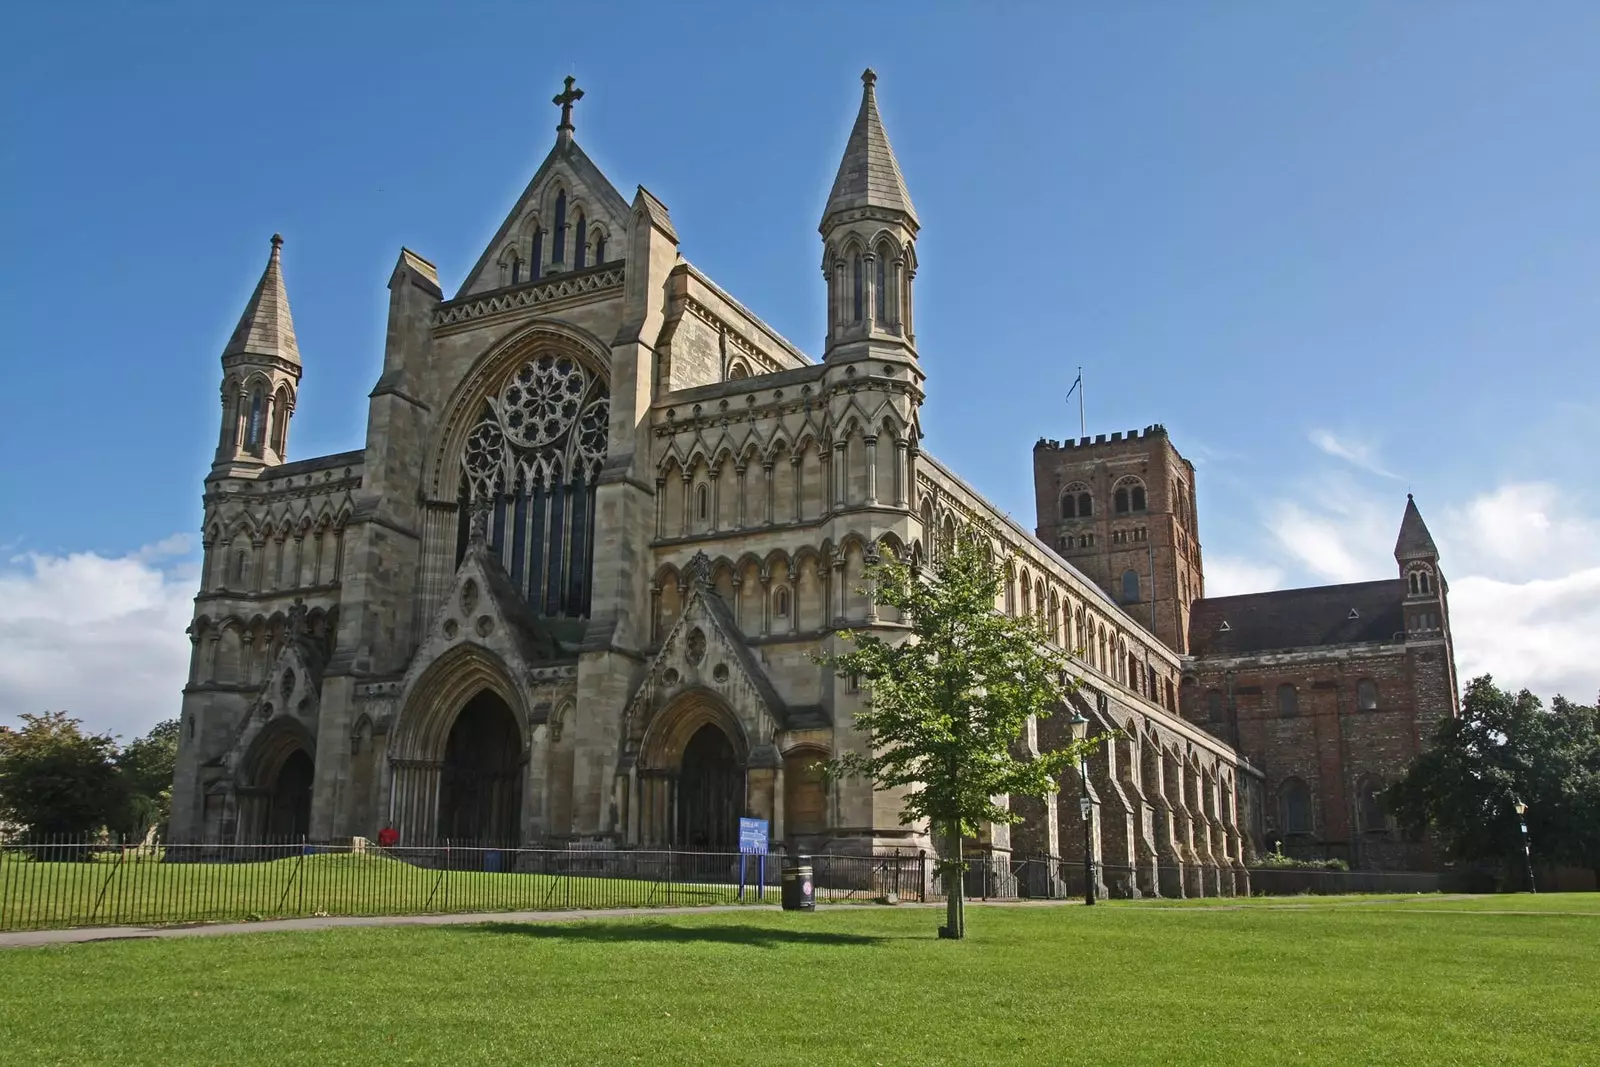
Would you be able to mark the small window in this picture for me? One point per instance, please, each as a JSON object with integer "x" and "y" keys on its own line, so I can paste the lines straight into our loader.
{"x": 1120, "y": 501}
{"x": 1213, "y": 706}
{"x": 1295, "y": 801}
{"x": 1366, "y": 694}
{"x": 852, "y": 683}
{"x": 580, "y": 253}
{"x": 703, "y": 503}
{"x": 516, "y": 270}
{"x": 599, "y": 248}
{"x": 252, "y": 434}
{"x": 1138, "y": 498}
{"x": 538, "y": 255}
{"x": 780, "y": 606}
{"x": 1130, "y": 587}
{"x": 737, "y": 371}
{"x": 880, "y": 292}
{"x": 859, "y": 283}
{"x": 1288, "y": 700}
{"x": 239, "y": 560}
{"x": 1423, "y": 581}
{"x": 559, "y": 248}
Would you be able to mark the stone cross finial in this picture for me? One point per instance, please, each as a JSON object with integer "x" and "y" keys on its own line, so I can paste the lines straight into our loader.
{"x": 478, "y": 522}
{"x": 297, "y": 617}
{"x": 698, "y": 569}
{"x": 565, "y": 100}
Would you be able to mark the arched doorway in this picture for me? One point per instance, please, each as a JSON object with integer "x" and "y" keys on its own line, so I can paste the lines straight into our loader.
{"x": 480, "y": 784}
{"x": 289, "y": 798}
{"x": 710, "y": 792}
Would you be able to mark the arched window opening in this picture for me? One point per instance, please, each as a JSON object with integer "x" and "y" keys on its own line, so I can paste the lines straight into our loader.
{"x": 1138, "y": 498}
{"x": 1366, "y": 694}
{"x": 858, "y": 282}
{"x": 580, "y": 253}
{"x": 1120, "y": 500}
{"x": 536, "y": 264}
{"x": 253, "y": 428}
{"x": 1422, "y": 580}
{"x": 516, "y": 270}
{"x": 1416, "y": 586}
{"x": 738, "y": 371}
{"x": 1085, "y": 506}
{"x": 1295, "y": 801}
{"x": 1213, "y": 706}
{"x": 599, "y": 247}
{"x": 1130, "y": 586}
{"x": 1374, "y": 819}
{"x": 703, "y": 503}
{"x": 880, "y": 287}
{"x": 1288, "y": 700}
{"x": 559, "y": 248}
{"x": 280, "y": 422}
{"x": 780, "y": 602}
{"x": 240, "y": 559}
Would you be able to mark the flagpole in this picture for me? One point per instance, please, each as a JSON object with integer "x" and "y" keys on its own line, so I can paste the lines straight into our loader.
{"x": 1083, "y": 427}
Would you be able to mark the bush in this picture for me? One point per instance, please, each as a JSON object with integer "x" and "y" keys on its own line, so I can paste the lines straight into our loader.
{"x": 1277, "y": 861}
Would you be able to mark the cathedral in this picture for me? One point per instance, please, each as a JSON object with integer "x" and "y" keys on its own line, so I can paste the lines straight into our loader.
{"x": 572, "y": 590}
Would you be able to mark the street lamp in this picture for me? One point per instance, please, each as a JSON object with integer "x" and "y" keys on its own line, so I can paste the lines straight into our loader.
{"x": 1080, "y": 730}
{"x": 1527, "y": 852}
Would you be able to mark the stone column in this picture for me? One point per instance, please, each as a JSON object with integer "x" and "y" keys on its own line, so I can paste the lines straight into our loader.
{"x": 738, "y": 473}
{"x": 661, "y": 488}
{"x": 716, "y": 499}
{"x": 900, "y": 448}
{"x": 840, "y": 474}
{"x": 869, "y": 290}
{"x": 795, "y": 461}
{"x": 872, "y": 468}
{"x": 688, "y": 508}
{"x": 766, "y": 604}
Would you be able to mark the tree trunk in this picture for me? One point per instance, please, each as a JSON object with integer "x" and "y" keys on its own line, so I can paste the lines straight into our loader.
{"x": 955, "y": 926}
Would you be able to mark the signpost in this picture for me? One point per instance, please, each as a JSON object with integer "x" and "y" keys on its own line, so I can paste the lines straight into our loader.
{"x": 753, "y": 842}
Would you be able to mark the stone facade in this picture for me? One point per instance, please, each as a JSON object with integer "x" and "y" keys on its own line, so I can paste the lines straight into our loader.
{"x": 1329, "y": 692}
{"x": 572, "y": 590}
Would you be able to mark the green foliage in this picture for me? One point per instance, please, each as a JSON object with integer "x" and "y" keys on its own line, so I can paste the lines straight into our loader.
{"x": 948, "y": 704}
{"x": 1506, "y": 747}
{"x": 147, "y": 764}
{"x": 1279, "y": 862}
{"x": 57, "y": 780}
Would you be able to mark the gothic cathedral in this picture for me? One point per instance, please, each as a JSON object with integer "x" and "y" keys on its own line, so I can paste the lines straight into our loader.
{"x": 571, "y": 590}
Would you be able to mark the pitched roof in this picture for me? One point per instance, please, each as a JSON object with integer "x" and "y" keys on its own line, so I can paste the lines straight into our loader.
{"x": 1297, "y": 618}
{"x": 266, "y": 327}
{"x": 1414, "y": 542}
{"x": 869, "y": 175}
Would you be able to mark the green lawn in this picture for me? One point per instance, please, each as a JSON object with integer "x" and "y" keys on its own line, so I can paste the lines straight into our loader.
{"x": 1329, "y": 984}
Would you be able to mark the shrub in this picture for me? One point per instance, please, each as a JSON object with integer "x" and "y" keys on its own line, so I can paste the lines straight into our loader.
{"x": 1277, "y": 861}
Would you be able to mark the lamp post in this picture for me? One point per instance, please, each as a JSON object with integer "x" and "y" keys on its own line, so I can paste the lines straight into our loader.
{"x": 1527, "y": 851}
{"x": 1080, "y": 730}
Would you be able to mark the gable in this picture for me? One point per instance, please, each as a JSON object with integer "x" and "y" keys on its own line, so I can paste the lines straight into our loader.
{"x": 589, "y": 193}
{"x": 706, "y": 651}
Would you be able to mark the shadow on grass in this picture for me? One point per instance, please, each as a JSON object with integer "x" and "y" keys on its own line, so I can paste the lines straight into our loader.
{"x": 613, "y": 932}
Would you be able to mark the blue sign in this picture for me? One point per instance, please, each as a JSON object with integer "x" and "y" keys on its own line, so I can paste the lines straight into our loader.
{"x": 753, "y": 837}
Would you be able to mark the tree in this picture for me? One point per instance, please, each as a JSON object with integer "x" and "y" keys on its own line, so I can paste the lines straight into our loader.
{"x": 947, "y": 706}
{"x": 147, "y": 764}
{"x": 1503, "y": 749}
{"x": 57, "y": 780}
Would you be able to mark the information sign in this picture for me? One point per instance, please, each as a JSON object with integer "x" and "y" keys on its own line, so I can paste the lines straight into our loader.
{"x": 753, "y": 837}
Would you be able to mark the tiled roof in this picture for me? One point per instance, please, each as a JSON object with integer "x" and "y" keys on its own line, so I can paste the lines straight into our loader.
{"x": 266, "y": 327}
{"x": 868, "y": 174}
{"x": 1415, "y": 542}
{"x": 1298, "y": 618}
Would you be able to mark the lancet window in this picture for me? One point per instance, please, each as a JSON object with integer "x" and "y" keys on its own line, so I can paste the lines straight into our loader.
{"x": 559, "y": 249}
{"x": 580, "y": 252}
{"x": 532, "y": 461}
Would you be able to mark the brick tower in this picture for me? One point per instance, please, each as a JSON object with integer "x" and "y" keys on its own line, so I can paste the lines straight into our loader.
{"x": 1121, "y": 509}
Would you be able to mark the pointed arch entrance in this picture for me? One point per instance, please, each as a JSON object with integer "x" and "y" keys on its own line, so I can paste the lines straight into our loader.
{"x": 459, "y": 756}
{"x": 480, "y": 782}
{"x": 694, "y": 776}
{"x": 276, "y": 784}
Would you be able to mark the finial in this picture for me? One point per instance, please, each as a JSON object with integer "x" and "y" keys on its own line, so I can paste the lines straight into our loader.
{"x": 1408, "y": 497}
{"x": 565, "y": 99}
{"x": 277, "y": 240}
{"x": 478, "y": 522}
{"x": 698, "y": 570}
{"x": 869, "y": 77}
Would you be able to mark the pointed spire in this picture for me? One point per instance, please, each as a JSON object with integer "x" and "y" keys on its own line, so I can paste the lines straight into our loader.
{"x": 266, "y": 328}
{"x": 1415, "y": 542}
{"x": 868, "y": 174}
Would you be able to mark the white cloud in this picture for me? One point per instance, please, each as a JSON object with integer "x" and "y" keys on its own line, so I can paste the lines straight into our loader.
{"x": 1360, "y": 453}
{"x": 1522, "y": 560}
{"x": 99, "y": 637}
{"x": 1230, "y": 576}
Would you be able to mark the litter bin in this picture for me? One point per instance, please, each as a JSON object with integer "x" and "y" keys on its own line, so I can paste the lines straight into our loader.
{"x": 797, "y": 888}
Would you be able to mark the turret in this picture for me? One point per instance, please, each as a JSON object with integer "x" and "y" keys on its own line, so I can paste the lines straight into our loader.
{"x": 869, "y": 234}
{"x": 260, "y": 376}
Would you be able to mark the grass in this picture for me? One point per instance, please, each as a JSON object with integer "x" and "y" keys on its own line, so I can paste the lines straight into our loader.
{"x": 40, "y": 895}
{"x": 1329, "y": 984}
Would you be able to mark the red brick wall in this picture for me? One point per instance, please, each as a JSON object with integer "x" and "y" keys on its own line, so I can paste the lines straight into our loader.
{"x": 1330, "y": 743}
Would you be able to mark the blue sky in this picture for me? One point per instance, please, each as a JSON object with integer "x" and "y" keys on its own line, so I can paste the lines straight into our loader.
{"x": 1341, "y": 251}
